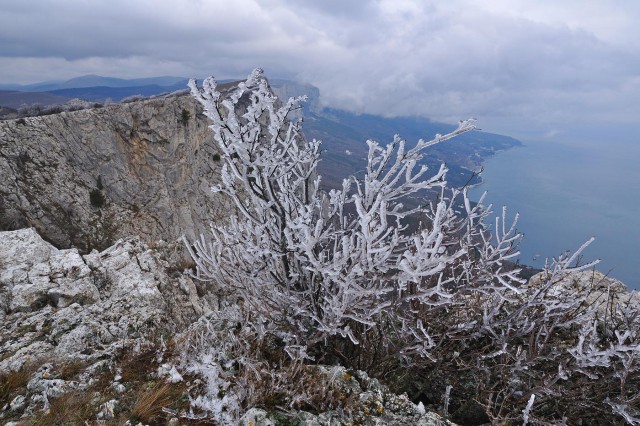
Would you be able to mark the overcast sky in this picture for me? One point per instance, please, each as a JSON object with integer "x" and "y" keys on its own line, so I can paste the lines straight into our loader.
{"x": 532, "y": 69}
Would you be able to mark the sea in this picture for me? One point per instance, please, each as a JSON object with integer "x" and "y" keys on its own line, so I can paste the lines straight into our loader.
{"x": 566, "y": 193}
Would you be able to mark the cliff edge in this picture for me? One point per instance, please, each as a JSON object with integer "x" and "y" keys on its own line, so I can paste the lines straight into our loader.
{"x": 87, "y": 178}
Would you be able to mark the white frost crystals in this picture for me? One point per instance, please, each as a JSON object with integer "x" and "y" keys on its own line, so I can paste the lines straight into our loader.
{"x": 323, "y": 264}
{"x": 360, "y": 277}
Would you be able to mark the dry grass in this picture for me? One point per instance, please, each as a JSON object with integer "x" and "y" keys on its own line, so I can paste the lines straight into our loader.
{"x": 180, "y": 266}
{"x": 143, "y": 400}
{"x": 151, "y": 401}
{"x": 70, "y": 370}
{"x": 71, "y": 408}
{"x": 12, "y": 382}
{"x": 137, "y": 366}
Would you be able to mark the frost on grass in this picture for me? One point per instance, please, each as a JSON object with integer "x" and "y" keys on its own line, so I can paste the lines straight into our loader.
{"x": 343, "y": 277}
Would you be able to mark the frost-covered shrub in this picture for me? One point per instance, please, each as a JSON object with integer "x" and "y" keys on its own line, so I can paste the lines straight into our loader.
{"x": 35, "y": 110}
{"x": 338, "y": 276}
{"x": 132, "y": 98}
{"x": 30, "y": 110}
{"x": 79, "y": 104}
{"x": 319, "y": 271}
{"x": 553, "y": 348}
{"x": 242, "y": 366}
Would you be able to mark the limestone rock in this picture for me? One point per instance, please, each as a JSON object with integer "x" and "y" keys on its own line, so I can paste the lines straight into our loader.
{"x": 56, "y": 303}
{"x": 605, "y": 292}
{"x": 107, "y": 410}
{"x": 377, "y": 406}
{"x": 38, "y": 274}
{"x": 256, "y": 417}
{"x": 17, "y": 403}
{"x": 88, "y": 178}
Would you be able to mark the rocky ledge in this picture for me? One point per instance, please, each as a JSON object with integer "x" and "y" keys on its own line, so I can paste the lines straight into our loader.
{"x": 60, "y": 309}
{"x": 101, "y": 337}
{"x": 57, "y": 303}
{"x": 97, "y": 337}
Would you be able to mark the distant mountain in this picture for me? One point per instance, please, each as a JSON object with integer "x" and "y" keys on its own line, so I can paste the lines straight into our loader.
{"x": 15, "y": 99}
{"x": 94, "y": 81}
{"x": 42, "y": 86}
{"x": 344, "y": 135}
{"x": 88, "y": 87}
{"x": 116, "y": 94}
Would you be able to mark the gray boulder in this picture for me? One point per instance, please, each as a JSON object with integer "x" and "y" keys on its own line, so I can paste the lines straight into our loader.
{"x": 58, "y": 303}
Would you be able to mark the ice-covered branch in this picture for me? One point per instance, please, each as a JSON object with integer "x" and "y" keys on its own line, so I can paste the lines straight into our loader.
{"x": 357, "y": 270}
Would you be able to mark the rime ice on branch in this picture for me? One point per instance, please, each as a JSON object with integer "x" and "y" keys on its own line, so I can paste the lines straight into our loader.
{"x": 313, "y": 267}
{"x": 324, "y": 271}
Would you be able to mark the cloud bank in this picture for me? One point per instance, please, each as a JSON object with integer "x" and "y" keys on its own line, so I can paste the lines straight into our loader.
{"x": 523, "y": 68}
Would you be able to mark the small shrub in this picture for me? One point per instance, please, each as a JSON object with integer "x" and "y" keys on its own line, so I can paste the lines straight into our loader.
{"x": 132, "y": 98}
{"x": 32, "y": 110}
{"x": 12, "y": 382}
{"x": 97, "y": 198}
{"x": 216, "y": 157}
{"x": 21, "y": 121}
{"x": 184, "y": 117}
{"x": 53, "y": 109}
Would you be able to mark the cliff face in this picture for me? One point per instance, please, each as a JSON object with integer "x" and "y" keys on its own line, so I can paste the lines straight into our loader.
{"x": 86, "y": 178}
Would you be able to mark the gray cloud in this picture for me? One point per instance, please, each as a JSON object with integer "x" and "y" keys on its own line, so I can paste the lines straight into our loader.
{"x": 522, "y": 67}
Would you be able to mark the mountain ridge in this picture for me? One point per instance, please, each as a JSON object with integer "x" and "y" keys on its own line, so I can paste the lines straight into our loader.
{"x": 93, "y": 80}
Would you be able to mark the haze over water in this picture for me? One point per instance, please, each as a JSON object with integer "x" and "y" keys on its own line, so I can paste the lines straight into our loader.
{"x": 566, "y": 193}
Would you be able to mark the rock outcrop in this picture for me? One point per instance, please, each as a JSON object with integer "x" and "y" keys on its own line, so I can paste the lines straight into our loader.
{"x": 88, "y": 178}
{"x": 69, "y": 322}
{"x": 57, "y": 303}
{"x": 63, "y": 311}
{"x": 376, "y": 405}
{"x": 602, "y": 291}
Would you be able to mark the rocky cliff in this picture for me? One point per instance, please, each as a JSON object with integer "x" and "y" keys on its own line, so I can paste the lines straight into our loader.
{"x": 87, "y": 178}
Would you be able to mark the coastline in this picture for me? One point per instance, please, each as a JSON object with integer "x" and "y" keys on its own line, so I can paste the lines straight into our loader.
{"x": 564, "y": 198}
